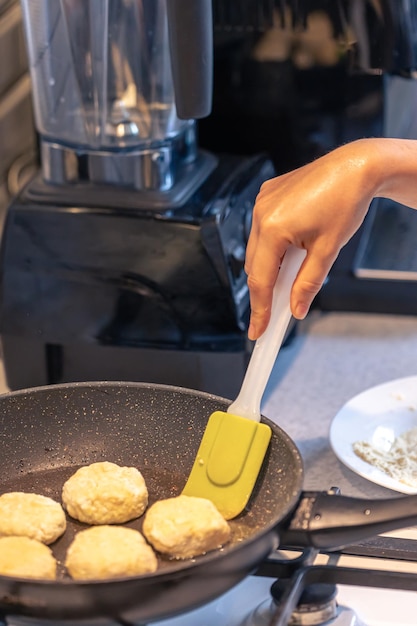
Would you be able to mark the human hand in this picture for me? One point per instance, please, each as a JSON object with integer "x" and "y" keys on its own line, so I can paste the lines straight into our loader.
{"x": 317, "y": 207}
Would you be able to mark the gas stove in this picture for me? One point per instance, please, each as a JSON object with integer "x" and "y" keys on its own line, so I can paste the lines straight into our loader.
{"x": 369, "y": 584}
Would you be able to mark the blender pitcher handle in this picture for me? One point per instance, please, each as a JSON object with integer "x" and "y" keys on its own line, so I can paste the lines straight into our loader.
{"x": 190, "y": 28}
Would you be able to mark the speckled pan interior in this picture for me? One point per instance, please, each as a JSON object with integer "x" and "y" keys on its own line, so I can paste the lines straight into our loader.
{"x": 46, "y": 433}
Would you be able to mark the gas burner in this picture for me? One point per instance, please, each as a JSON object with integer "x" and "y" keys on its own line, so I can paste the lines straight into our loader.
{"x": 305, "y": 592}
{"x": 317, "y": 605}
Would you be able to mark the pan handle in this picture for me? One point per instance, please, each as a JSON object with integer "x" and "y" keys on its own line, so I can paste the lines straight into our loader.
{"x": 329, "y": 521}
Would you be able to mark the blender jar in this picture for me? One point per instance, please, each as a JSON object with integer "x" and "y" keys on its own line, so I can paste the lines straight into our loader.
{"x": 101, "y": 72}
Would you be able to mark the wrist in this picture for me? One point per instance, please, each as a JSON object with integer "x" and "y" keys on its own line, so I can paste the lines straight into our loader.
{"x": 392, "y": 169}
{"x": 370, "y": 160}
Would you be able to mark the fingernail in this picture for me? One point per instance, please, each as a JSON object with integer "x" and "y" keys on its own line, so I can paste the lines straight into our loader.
{"x": 301, "y": 311}
{"x": 252, "y": 332}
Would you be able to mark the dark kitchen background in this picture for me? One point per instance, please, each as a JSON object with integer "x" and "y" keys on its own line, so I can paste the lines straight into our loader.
{"x": 317, "y": 75}
{"x": 161, "y": 295}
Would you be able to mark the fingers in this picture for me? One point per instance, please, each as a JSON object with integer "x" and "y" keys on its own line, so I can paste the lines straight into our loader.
{"x": 262, "y": 266}
{"x": 308, "y": 283}
{"x": 311, "y": 277}
{"x": 305, "y": 288}
{"x": 260, "y": 303}
{"x": 264, "y": 252}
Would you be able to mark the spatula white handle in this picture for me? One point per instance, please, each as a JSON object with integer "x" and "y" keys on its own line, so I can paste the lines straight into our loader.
{"x": 248, "y": 402}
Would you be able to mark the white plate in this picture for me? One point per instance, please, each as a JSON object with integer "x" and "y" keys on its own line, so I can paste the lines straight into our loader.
{"x": 377, "y": 416}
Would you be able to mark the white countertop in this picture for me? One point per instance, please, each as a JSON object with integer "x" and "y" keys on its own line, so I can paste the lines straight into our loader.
{"x": 333, "y": 357}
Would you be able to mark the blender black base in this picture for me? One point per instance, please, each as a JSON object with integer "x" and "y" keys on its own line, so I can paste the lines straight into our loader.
{"x": 220, "y": 373}
{"x": 92, "y": 292}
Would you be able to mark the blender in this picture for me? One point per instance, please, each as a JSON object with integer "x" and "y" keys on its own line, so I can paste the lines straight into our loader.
{"x": 123, "y": 257}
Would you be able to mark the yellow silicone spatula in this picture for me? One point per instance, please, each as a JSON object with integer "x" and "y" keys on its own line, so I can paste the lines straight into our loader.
{"x": 235, "y": 442}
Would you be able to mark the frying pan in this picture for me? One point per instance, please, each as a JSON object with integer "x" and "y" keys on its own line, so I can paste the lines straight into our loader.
{"x": 46, "y": 433}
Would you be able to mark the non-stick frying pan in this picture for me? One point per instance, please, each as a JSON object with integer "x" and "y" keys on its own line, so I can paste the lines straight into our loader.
{"x": 46, "y": 433}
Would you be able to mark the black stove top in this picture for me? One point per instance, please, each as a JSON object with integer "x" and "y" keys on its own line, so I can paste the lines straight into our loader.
{"x": 300, "y": 572}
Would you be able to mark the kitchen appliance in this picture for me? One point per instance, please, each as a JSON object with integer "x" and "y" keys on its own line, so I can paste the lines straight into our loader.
{"x": 123, "y": 257}
{"x": 363, "y": 586}
{"x": 81, "y": 423}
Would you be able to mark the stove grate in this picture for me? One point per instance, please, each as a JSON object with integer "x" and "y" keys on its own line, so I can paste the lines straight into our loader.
{"x": 300, "y": 572}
